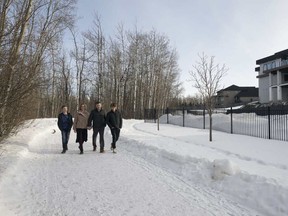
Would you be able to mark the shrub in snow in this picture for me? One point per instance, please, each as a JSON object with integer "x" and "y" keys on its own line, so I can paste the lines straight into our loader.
{"x": 222, "y": 168}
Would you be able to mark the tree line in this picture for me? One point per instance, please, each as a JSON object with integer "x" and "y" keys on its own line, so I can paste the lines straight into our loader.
{"x": 38, "y": 73}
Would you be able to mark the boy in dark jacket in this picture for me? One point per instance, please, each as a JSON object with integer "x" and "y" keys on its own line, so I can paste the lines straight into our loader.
{"x": 65, "y": 123}
{"x": 114, "y": 121}
{"x": 98, "y": 117}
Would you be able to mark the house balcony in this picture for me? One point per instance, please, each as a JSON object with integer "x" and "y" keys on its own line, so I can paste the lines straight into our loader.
{"x": 284, "y": 62}
{"x": 283, "y": 68}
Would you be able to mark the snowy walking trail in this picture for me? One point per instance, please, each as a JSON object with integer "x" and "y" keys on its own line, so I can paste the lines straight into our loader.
{"x": 35, "y": 179}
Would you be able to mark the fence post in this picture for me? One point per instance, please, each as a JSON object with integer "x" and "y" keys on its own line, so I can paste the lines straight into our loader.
{"x": 183, "y": 117}
{"x": 155, "y": 115}
{"x": 167, "y": 111}
{"x": 231, "y": 120}
{"x": 203, "y": 117}
{"x": 269, "y": 124}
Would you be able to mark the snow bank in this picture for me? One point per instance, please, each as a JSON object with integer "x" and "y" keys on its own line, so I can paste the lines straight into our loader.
{"x": 222, "y": 168}
{"x": 256, "y": 192}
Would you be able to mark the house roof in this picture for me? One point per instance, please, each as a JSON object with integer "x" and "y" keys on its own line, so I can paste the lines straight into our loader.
{"x": 277, "y": 55}
{"x": 249, "y": 92}
{"x": 238, "y": 88}
{"x": 231, "y": 88}
{"x": 246, "y": 91}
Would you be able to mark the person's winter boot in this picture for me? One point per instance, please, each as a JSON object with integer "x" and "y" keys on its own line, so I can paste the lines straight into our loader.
{"x": 63, "y": 152}
{"x": 101, "y": 150}
{"x": 81, "y": 149}
{"x": 94, "y": 148}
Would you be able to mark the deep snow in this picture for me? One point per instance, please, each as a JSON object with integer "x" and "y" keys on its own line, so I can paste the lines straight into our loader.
{"x": 173, "y": 171}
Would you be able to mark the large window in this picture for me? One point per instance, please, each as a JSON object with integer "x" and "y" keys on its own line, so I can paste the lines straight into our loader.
{"x": 284, "y": 62}
{"x": 285, "y": 77}
{"x": 269, "y": 66}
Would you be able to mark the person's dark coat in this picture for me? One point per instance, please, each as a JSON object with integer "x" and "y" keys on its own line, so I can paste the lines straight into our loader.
{"x": 98, "y": 118}
{"x": 114, "y": 119}
{"x": 65, "y": 122}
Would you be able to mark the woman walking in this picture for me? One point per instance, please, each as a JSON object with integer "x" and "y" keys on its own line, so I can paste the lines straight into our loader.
{"x": 80, "y": 126}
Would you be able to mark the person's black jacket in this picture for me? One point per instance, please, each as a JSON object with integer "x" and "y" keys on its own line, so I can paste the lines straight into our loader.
{"x": 114, "y": 119}
{"x": 61, "y": 124}
{"x": 98, "y": 118}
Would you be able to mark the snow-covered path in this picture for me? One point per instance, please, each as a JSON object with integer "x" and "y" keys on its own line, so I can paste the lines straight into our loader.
{"x": 37, "y": 180}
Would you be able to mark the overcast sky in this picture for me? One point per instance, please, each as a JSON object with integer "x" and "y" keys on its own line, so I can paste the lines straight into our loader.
{"x": 236, "y": 32}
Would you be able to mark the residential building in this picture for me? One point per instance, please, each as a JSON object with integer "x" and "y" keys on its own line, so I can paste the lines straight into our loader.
{"x": 273, "y": 77}
{"x": 235, "y": 95}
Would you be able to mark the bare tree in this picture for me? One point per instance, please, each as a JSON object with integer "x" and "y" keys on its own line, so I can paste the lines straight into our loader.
{"x": 206, "y": 77}
{"x": 151, "y": 73}
{"x": 96, "y": 43}
{"x": 81, "y": 56}
{"x": 27, "y": 28}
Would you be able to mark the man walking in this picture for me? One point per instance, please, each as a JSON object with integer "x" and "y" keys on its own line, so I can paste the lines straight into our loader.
{"x": 114, "y": 121}
{"x": 65, "y": 123}
{"x": 98, "y": 117}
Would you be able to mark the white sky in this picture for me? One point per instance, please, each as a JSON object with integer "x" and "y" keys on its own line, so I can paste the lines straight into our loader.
{"x": 236, "y": 32}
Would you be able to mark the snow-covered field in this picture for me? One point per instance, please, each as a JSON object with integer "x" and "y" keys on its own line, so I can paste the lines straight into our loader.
{"x": 173, "y": 171}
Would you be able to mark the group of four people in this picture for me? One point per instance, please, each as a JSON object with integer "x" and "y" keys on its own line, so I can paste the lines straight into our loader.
{"x": 97, "y": 119}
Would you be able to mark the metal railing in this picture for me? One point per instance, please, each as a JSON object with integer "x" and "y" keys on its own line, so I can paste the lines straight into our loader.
{"x": 263, "y": 122}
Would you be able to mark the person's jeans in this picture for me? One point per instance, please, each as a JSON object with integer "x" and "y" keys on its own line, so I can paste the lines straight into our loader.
{"x": 65, "y": 139}
{"x": 115, "y": 136}
{"x": 101, "y": 133}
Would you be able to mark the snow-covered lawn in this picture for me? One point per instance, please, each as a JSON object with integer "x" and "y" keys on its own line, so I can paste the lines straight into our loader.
{"x": 173, "y": 171}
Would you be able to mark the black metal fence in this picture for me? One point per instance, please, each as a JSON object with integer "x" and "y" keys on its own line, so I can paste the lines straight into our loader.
{"x": 264, "y": 122}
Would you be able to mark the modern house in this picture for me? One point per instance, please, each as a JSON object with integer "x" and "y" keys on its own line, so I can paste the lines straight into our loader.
{"x": 235, "y": 95}
{"x": 273, "y": 77}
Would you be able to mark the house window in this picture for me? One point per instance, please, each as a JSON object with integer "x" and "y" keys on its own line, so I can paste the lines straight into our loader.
{"x": 285, "y": 77}
{"x": 269, "y": 66}
{"x": 284, "y": 62}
